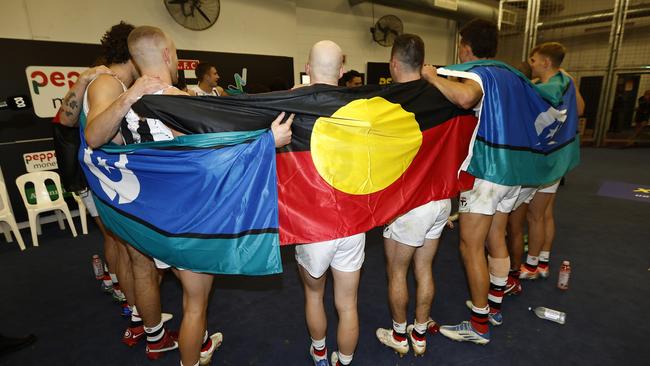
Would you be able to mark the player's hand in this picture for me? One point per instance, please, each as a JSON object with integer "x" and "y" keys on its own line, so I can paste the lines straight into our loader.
{"x": 282, "y": 131}
{"x": 429, "y": 72}
{"x": 90, "y": 74}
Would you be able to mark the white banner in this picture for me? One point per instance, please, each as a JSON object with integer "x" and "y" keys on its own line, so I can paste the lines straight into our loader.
{"x": 48, "y": 86}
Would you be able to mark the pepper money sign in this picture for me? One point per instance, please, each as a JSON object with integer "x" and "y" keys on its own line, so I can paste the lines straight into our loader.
{"x": 48, "y": 86}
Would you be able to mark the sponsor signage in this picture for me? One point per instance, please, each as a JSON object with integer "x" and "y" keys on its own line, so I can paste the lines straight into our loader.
{"x": 188, "y": 64}
{"x": 40, "y": 160}
{"x": 48, "y": 86}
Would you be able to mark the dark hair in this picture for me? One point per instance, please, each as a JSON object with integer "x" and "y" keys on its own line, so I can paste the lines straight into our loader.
{"x": 409, "y": 49}
{"x": 553, "y": 50}
{"x": 482, "y": 36}
{"x": 349, "y": 76}
{"x": 115, "y": 49}
{"x": 202, "y": 69}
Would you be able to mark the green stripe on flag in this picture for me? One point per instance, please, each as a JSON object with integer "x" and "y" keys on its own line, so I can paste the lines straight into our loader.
{"x": 255, "y": 254}
{"x": 522, "y": 167}
{"x": 203, "y": 140}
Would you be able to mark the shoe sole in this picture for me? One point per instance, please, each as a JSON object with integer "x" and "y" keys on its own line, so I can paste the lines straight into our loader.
{"x": 417, "y": 349}
{"x": 401, "y": 354}
{"x": 461, "y": 339}
{"x": 154, "y": 355}
{"x": 206, "y": 361}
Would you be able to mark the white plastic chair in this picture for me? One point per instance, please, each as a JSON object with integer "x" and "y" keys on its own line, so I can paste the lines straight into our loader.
{"x": 7, "y": 216}
{"x": 43, "y": 201}
{"x": 82, "y": 213}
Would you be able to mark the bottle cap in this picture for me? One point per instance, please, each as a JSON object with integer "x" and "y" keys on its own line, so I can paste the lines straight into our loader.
{"x": 565, "y": 263}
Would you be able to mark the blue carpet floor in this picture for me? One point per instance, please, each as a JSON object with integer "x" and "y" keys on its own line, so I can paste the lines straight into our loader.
{"x": 50, "y": 291}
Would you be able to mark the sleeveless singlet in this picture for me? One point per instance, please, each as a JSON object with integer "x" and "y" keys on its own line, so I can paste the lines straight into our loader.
{"x": 133, "y": 128}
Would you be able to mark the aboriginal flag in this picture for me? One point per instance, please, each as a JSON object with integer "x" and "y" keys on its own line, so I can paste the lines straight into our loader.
{"x": 358, "y": 158}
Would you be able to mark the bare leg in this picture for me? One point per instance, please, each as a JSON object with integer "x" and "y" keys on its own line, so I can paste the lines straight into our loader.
{"x": 346, "y": 285}
{"x": 473, "y": 233}
{"x": 125, "y": 271}
{"x": 516, "y": 223}
{"x": 536, "y": 225}
{"x": 497, "y": 236}
{"x": 147, "y": 290}
{"x": 549, "y": 225}
{"x": 314, "y": 307}
{"x": 398, "y": 259}
{"x": 110, "y": 247}
{"x": 196, "y": 291}
{"x": 422, "y": 268}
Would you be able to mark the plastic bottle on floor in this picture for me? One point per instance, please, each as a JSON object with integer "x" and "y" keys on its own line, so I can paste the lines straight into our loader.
{"x": 98, "y": 267}
{"x": 549, "y": 314}
{"x": 563, "y": 278}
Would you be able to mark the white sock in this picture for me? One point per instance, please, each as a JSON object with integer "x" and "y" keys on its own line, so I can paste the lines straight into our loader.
{"x": 345, "y": 359}
{"x": 544, "y": 256}
{"x": 399, "y": 328}
{"x": 156, "y": 333}
{"x": 318, "y": 344}
{"x": 420, "y": 327}
{"x": 532, "y": 260}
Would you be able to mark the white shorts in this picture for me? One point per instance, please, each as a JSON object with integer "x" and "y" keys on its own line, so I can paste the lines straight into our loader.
{"x": 162, "y": 265}
{"x": 549, "y": 188}
{"x": 526, "y": 195}
{"x": 487, "y": 198}
{"x": 345, "y": 255}
{"x": 88, "y": 201}
{"x": 424, "y": 222}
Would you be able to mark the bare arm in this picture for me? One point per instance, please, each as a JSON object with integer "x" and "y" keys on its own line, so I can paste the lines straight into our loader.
{"x": 465, "y": 95}
{"x": 108, "y": 105}
{"x": 71, "y": 106}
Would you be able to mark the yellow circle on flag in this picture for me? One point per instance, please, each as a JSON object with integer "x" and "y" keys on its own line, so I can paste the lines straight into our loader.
{"x": 365, "y": 146}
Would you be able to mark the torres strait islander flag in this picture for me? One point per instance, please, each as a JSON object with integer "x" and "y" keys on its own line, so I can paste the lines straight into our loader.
{"x": 528, "y": 133}
{"x": 358, "y": 158}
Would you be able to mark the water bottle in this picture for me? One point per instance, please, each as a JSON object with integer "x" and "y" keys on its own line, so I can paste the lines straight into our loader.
{"x": 98, "y": 267}
{"x": 563, "y": 278}
{"x": 549, "y": 314}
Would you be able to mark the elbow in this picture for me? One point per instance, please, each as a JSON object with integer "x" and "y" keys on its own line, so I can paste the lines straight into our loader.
{"x": 92, "y": 142}
{"x": 466, "y": 103}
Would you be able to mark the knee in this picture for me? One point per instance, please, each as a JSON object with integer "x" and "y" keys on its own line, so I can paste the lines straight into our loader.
{"x": 347, "y": 306}
{"x": 535, "y": 217}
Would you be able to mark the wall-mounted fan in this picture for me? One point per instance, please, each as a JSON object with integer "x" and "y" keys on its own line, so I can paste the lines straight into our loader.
{"x": 194, "y": 14}
{"x": 387, "y": 29}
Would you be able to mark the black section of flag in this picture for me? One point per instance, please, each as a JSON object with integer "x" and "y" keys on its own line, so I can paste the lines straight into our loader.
{"x": 257, "y": 111}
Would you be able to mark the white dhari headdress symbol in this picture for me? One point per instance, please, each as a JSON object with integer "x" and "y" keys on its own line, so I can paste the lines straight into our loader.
{"x": 127, "y": 188}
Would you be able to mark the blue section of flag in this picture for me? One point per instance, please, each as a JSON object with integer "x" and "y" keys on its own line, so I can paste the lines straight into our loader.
{"x": 514, "y": 115}
{"x": 526, "y": 136}
{"x": 195, "y": 202}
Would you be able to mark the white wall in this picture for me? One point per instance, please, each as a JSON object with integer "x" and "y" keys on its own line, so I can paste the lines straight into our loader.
{"x": 269, "y": 27}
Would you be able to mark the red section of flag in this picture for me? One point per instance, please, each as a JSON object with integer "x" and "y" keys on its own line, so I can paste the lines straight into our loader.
{"x": 311, "y": 210}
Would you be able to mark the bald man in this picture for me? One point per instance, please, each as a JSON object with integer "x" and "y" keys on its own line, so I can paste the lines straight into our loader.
{"x": 344, "y": 256}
